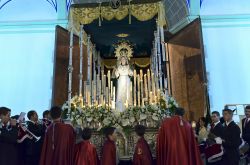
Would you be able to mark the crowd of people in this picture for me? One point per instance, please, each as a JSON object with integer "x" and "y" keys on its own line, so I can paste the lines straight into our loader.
{"x": 50, "y": 141}
{"x": 221, "y": 141}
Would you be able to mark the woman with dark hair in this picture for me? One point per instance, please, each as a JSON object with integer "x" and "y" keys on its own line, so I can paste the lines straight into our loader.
{"x": 202, "y": 133}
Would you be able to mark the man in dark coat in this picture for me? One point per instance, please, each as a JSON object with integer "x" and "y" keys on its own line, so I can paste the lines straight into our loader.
{"x": 215, "y": 132}
{"x": 8, "y": 138}
{"x": 246, "y": 127}
{"x": 216, "y": 126}
{"x": 33, "y": 146}
{"x": 230, "y": 139}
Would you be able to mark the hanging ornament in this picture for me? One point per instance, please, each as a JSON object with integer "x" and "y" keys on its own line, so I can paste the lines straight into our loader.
{"x": 115, "y": 4}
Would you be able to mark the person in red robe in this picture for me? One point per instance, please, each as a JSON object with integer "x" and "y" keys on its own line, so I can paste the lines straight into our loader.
{"x": 109, "y": 152}
{"x": 176, "y": 142}
{"x": 85, "y": 152}
{"x": 142, "y": 154}
{"x": 59, "y": 141}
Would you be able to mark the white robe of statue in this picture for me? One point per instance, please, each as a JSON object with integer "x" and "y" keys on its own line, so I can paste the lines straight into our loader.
{"x": 123, "y": 73}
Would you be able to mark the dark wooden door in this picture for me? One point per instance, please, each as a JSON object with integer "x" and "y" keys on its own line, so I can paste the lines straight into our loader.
{"x": 61, "y": 61}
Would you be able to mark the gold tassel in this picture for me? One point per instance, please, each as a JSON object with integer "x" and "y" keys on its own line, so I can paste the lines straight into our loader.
{"x": 100, "y": 14}
{"x": 129, "y": 11}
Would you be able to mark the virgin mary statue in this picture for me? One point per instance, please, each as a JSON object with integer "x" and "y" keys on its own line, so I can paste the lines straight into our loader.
{"x": 123, "y": 74}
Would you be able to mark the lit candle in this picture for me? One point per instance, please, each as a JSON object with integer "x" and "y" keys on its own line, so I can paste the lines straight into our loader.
{"x": 108, "y": 93}
{"x": 114, "y": 94}
{"x": 107, "y": 98}
{"x": 89, "y": 98}
{"x": 97, "y": 85}
{"x": 126, "y": 104}
{"x": 153, "y": 83}
{"x": 146, "y": 86}
{"x": 111, "y": 91}
{"x": 93, "y": 92}
{"x": 101, "y": 100}
{"x": 130, "y": 95}
{"x": 141, "y": 74}
{"x": 134, "y": 87}
{"x": 156, "y": 83}
{"x": 151, "y": 97}
{"x": 102, "y": 91}
{"x": 142, "y": 95}
{"x": 158, "y": 95}
{"x": 149, "y": 80}
{"x": 84, "y": 92}
{"x": 104, "y": 86}
{"x": 138, "y": 93}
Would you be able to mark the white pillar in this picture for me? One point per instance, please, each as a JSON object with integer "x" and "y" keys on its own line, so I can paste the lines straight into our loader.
{"x": 81, "y": 58}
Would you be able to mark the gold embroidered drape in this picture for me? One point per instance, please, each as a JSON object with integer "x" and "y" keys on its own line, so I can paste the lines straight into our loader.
{"x": 142, "y": 12}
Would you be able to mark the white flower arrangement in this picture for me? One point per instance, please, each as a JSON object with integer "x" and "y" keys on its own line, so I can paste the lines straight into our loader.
{"x": 98, "y": 116}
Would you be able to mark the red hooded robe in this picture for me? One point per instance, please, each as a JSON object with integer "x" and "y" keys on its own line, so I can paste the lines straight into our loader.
{"x": 109, "y": 153}
{"x": 58, "y": 145}
{"x": 176, "y": 144}
{"x": 142, "y": 155}
{"x": 85, "y": 154}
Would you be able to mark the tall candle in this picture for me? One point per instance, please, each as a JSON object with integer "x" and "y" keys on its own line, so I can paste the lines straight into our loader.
{"x": 134, "y": 87}
{"x": 158, "y": 95}
{"x": 101, "y": 100}
{"x": 114, "y": 94}
{"x": 138, "y": 93}
{"x": 156, "y": 83}
{"x": 89, "y": 99}
{"x": 108, "y": 94}
{"x": 95, "y": 92}
{"x": 102, "y": 92}
{"x": 84, "y": 92}
{"x": 149, "y": 81}
{"x": 99, "y": 90}
{"x": 151, "y": 97}
{"x": 130, "y": 94}
{"x": 141, "y": 74}
{"x": 142, "y": 95}
{"x": 141, "y": 81}
{"x": 107, "y": 98}
{"x": 126, "y": 104}
{"x": 153, "y": 83}
{"x": 97, "y": 85}
{"x": 111, "y": 91}
{"x": 146, "y": 87}
{"x": 104, "y": 86}
{"x": 109, "y": 79}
